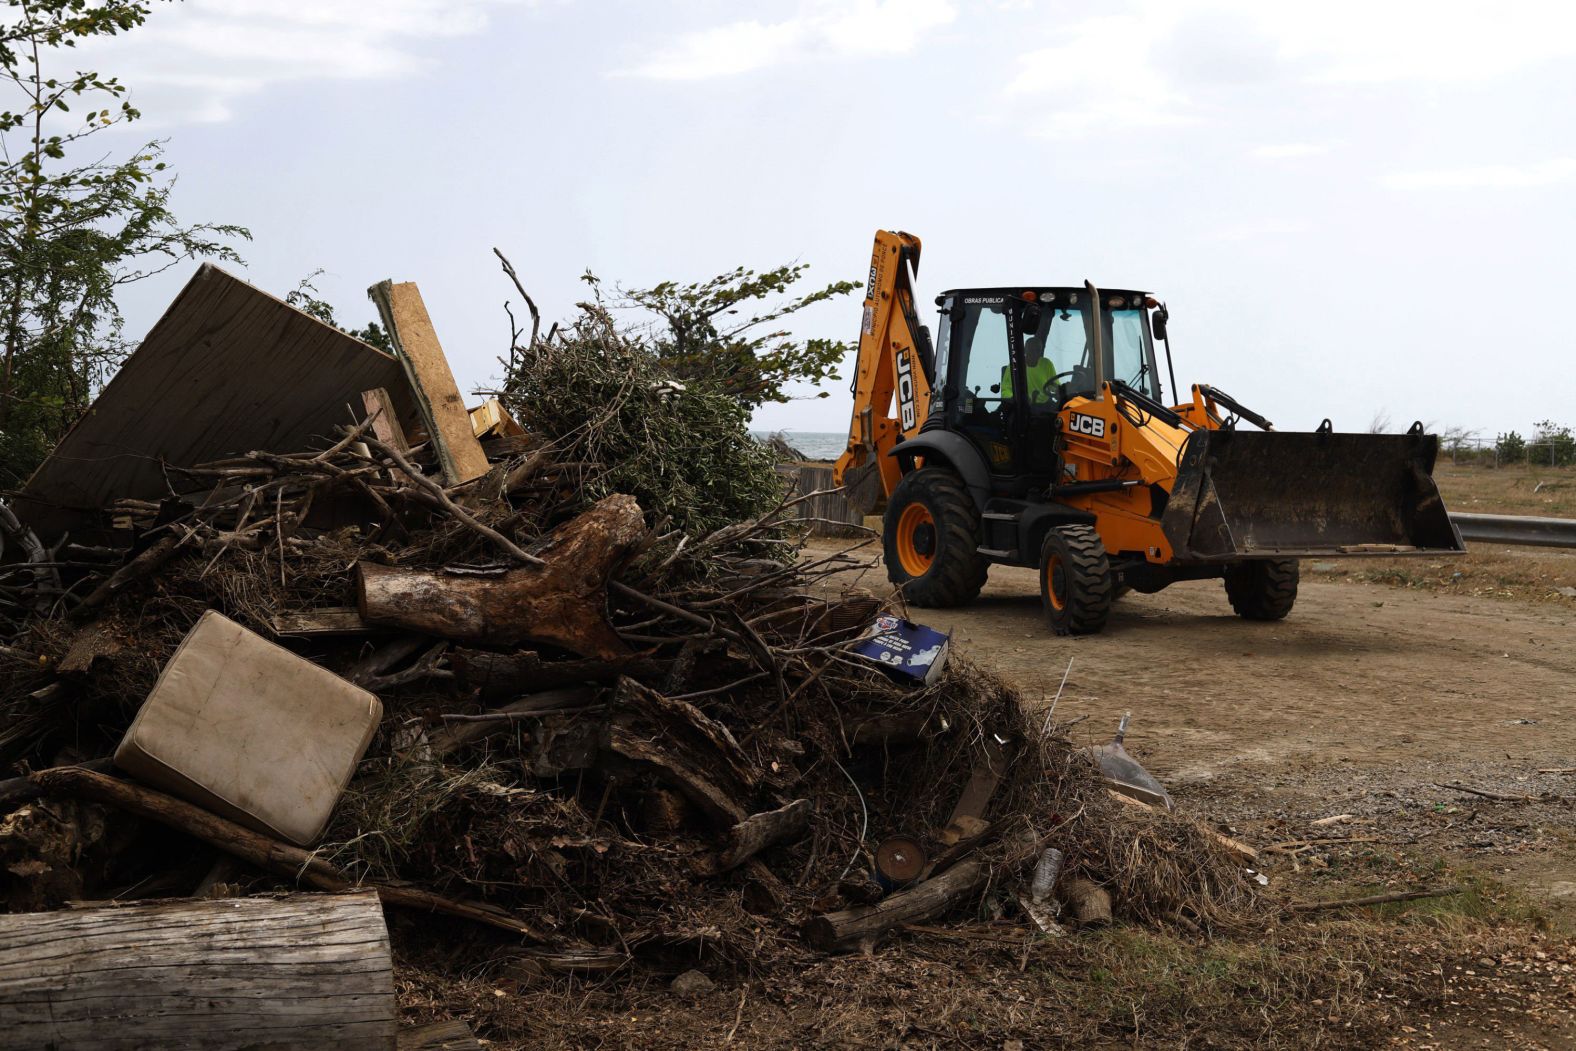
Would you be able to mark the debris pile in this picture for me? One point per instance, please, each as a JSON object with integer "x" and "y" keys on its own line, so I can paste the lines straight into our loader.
{"x": 625, "y": 726}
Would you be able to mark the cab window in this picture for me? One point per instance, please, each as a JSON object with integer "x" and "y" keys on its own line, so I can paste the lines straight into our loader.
{"x": 984, "y": 353}
{"x": 1131, "y": 359}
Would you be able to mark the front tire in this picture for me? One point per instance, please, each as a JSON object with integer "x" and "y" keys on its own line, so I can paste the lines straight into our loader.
{"x": 1076, "y": 584}
{"x": 1262, "y": 590}
{"x": 930, "y": 539}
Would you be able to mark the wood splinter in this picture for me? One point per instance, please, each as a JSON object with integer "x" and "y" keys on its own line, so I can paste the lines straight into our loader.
{"x": 757, "y": 832}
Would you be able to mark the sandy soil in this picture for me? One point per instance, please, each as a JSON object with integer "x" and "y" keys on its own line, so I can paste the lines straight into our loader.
{"x": 1363, "y": 701}
{"x": 1357, "y": 673}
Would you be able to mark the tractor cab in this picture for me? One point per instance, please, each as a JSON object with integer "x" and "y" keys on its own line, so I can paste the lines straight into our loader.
{"x": 1008, "y": 359}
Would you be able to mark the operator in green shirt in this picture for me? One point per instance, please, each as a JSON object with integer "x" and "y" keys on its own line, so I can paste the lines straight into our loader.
{"x": 1039, "y": 370}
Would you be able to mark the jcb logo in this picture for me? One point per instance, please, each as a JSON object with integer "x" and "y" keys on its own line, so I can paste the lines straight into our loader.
{"x": 1093, "y": 426}
{"x": 905, "y": 389}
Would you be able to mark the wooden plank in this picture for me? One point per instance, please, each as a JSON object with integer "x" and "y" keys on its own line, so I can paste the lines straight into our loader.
{"x": 968, "y": 815}
{"x": 385, "y": 420}
{"x": 828, "y": 514}
{"x": 226, "y": 370}
{"x": 438, "y": 397}
{"x": 330, "y": 620}
{"x": 438, "y": 1036}
{"x": 491, "y": 420}
{"x": 310, "y": 971}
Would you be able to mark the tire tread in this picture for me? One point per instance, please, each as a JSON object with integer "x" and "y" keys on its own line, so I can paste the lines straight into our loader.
{"x": 959, "y": 572}
{"x": 1263, "y": 590}
{"x": 1091, "y": 584}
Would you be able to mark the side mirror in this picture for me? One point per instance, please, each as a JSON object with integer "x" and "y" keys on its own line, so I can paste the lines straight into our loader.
{"x": 1029, "y": 319}
{"x": 1157, "y": 322}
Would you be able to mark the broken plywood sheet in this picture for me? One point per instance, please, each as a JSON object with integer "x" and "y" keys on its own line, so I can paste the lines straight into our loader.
{"x": 227, "y": 369}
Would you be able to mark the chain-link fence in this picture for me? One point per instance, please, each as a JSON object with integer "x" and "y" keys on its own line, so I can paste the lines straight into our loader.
{"x": 1508, "y": 450}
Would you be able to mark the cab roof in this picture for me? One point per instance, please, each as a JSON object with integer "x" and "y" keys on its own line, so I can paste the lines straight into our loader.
{"x": 1046, "y": 293}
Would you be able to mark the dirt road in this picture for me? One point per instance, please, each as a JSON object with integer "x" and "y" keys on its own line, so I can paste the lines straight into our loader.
{"x": 1364, "y": 700}
{"x": 1358, "y": 673}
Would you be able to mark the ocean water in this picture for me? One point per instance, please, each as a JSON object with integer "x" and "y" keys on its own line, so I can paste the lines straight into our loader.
{"x": 815, "y": 445}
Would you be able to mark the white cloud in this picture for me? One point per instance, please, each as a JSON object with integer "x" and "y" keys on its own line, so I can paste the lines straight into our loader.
{"x": 192, "y": 61}
{"x": 1488, "y": 176}
{"x": 1440, "y": 41}
{"x": 1287, "y": 151}
{"x": 820, "y": 29}
{"x": 1163, "y": 63}
{"x": 1098, "y": 76}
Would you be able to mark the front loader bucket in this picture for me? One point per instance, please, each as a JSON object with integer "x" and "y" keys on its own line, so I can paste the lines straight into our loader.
{"x": 1284, "y": 494}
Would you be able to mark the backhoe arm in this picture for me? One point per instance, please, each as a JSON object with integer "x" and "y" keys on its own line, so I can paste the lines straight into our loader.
{"x": 893, "y": 375}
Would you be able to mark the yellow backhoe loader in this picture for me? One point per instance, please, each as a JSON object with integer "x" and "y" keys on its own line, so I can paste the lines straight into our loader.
{"x": 1036, "y": 432}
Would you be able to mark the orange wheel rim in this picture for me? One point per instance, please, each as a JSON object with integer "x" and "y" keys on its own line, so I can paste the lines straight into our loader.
{"x": 916, "y": 540}
{"x": 1056, "y": 582}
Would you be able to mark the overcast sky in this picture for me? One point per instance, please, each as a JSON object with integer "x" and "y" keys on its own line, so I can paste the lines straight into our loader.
{"x": 1350, "y": 207}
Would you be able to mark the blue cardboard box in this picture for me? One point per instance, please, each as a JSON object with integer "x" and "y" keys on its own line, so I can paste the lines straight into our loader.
{"x": 910, "y": 651}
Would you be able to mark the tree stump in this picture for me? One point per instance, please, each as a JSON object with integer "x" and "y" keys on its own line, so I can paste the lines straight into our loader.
{"x": 562, "y": 602}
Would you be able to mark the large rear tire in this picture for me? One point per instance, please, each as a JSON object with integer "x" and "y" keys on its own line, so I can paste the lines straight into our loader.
{"x": 1262, "y": 589}
{"x": 931, "y": 540}
{"x": 1076, "y": 584}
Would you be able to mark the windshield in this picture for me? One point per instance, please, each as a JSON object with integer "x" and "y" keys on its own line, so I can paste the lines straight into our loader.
{"x": 1064, "y": 333}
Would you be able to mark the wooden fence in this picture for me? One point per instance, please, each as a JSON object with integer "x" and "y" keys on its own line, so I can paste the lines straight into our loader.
{"x": 829, "y": 513}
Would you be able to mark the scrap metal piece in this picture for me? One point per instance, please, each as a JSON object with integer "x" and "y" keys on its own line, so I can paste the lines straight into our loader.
{"x": 1126, "y": 774}
{"x": 899, "y": 860}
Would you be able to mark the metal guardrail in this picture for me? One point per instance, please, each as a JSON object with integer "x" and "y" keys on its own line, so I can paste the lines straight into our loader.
{"x": 1517, "y": 529}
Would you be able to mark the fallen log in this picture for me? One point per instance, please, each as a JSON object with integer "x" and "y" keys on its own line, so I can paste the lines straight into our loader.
{"x": 279, "y": 858}
{"x": 96, "y": 641}
{"x": 562, "y": 602}
{"x": 309, "y": 971}
{"x": 759, "y": 831}
{"x": 863, "y": 925}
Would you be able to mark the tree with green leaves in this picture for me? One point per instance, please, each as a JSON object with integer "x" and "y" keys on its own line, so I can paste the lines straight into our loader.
{"x": 76, "y": 224}
{"x": 1554, "y": 445}
{"x": 715, "y": 332}
{"x": 1510, "y": 448}
{"x": 306, "y": 298}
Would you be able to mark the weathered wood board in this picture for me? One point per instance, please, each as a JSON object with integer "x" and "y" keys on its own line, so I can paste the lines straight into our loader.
{"x": 226, "y": 370}
{"x": 431, "y": 381}
{"x": 828, "y": 514}
{"x": 307, "y": 971}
